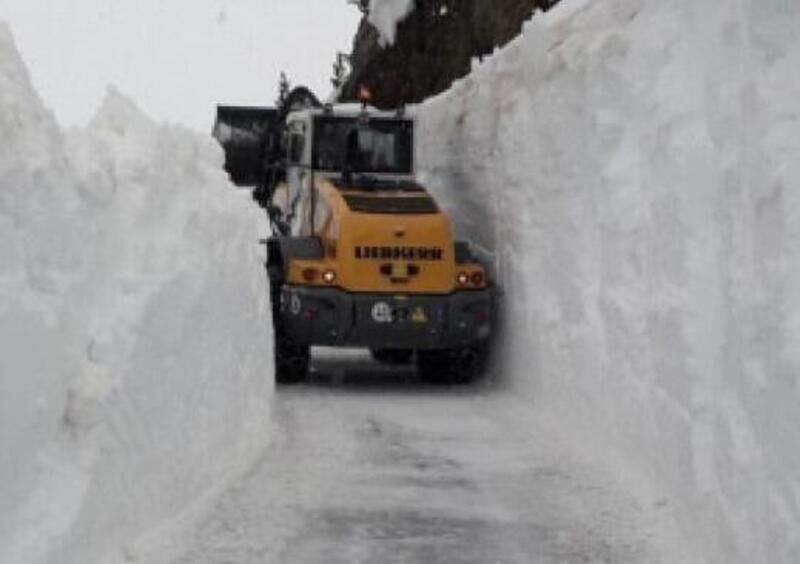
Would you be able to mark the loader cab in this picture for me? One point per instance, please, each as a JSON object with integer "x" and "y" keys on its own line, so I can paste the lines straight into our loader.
{"x": 330, "y": 142}
{"x": 358, "y": 149}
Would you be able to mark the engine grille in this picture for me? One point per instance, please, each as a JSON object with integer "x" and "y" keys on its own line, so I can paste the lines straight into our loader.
{"x": 389, "y": 205}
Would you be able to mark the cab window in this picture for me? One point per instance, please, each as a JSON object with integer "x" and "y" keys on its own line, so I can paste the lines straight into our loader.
{"x": 296, "y": 143}
{"x": 379, "y": 146}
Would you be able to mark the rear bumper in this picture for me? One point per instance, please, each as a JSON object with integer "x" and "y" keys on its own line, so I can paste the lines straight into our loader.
{"x": 333, "y": 317}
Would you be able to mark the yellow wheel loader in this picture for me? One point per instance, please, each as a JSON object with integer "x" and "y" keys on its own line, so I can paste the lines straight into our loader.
{"x": 361, "y": 255}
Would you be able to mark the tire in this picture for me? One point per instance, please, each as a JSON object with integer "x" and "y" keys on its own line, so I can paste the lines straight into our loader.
{"x": 291, "y": 359}
{"x": 448, "y": 366}
{"x": 435, "y": 367}
{"x": 392, "y": 356}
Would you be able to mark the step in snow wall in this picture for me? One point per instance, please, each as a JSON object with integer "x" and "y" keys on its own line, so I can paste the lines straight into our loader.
{"x": 631, "y": 169}
{"x": 134, "y": 364}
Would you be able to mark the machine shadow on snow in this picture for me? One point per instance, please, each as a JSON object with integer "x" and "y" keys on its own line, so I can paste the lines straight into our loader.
{"x": 353, "y": 369}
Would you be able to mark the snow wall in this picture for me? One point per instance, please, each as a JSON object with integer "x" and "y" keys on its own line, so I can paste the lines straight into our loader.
{"x": 134, "y": 369}
{"x": 630, "y": 168}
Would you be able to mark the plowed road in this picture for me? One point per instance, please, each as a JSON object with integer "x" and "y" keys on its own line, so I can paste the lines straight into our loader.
{"x": 369, "y": 466}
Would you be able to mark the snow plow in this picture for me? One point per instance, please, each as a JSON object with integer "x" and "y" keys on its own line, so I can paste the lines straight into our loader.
{"x": 360, "y": 254}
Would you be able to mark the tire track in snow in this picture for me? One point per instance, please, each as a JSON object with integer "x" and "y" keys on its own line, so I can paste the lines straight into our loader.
{"x": 397, "y": 472}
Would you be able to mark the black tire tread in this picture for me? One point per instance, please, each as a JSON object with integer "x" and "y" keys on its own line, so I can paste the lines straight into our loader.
{"x": 291, "y": 359}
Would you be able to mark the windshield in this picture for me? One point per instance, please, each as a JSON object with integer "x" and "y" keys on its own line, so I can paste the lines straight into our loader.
{"x": 378, "y": 146}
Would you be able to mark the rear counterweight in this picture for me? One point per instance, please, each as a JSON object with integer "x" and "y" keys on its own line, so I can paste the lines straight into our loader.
{"x": 333, "y": 317}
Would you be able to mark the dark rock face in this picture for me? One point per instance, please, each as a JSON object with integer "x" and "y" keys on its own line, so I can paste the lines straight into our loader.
{"x": 434, "y": 46}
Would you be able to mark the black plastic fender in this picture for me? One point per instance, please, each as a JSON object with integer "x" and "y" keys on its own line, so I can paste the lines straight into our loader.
{"x": 280, "y": 250}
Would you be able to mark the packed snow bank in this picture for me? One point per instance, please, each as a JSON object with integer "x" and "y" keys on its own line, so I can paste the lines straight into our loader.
{"x": 134, "y": 374}
{"x": 630, "y": 166}
{"x": 386, "y": 15}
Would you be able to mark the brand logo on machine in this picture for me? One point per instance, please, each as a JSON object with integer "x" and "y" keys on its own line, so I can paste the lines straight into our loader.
{"x": 400, "y": 253}
{"x": 382, "y": 312}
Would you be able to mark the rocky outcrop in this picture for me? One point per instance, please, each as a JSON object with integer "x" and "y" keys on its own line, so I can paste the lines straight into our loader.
{"x": 435, "y": 45}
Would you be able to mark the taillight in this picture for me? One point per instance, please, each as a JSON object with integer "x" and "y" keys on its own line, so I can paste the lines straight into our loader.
{"x": 329, "y": 276}
{"x": 310, "y": 274}
{"x": 462, "y": 278}
{"x": 477, "y": 278}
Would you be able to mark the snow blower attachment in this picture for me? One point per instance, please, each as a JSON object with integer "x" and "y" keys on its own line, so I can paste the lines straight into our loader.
{"x": 361, "y": 255}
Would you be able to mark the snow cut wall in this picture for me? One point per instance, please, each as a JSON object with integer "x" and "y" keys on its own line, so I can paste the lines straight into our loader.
{"x": 631, "y": 168}
{"x": 134, "y": 370}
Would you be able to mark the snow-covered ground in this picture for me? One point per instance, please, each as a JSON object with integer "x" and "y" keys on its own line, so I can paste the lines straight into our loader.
{"x": 135, "y": 366}
{"x": 367, "y": 465}
{"x": 630, "y": 167}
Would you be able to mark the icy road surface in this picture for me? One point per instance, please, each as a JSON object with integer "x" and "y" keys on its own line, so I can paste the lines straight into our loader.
{"x": 368, "y": 465}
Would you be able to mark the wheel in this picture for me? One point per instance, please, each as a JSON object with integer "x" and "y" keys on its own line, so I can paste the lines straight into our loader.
{"x": 392, "y": 356}
{"x": 435, "y": 367}
{"x": 448, "y": 366}
{"x": 291, "y": 359}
